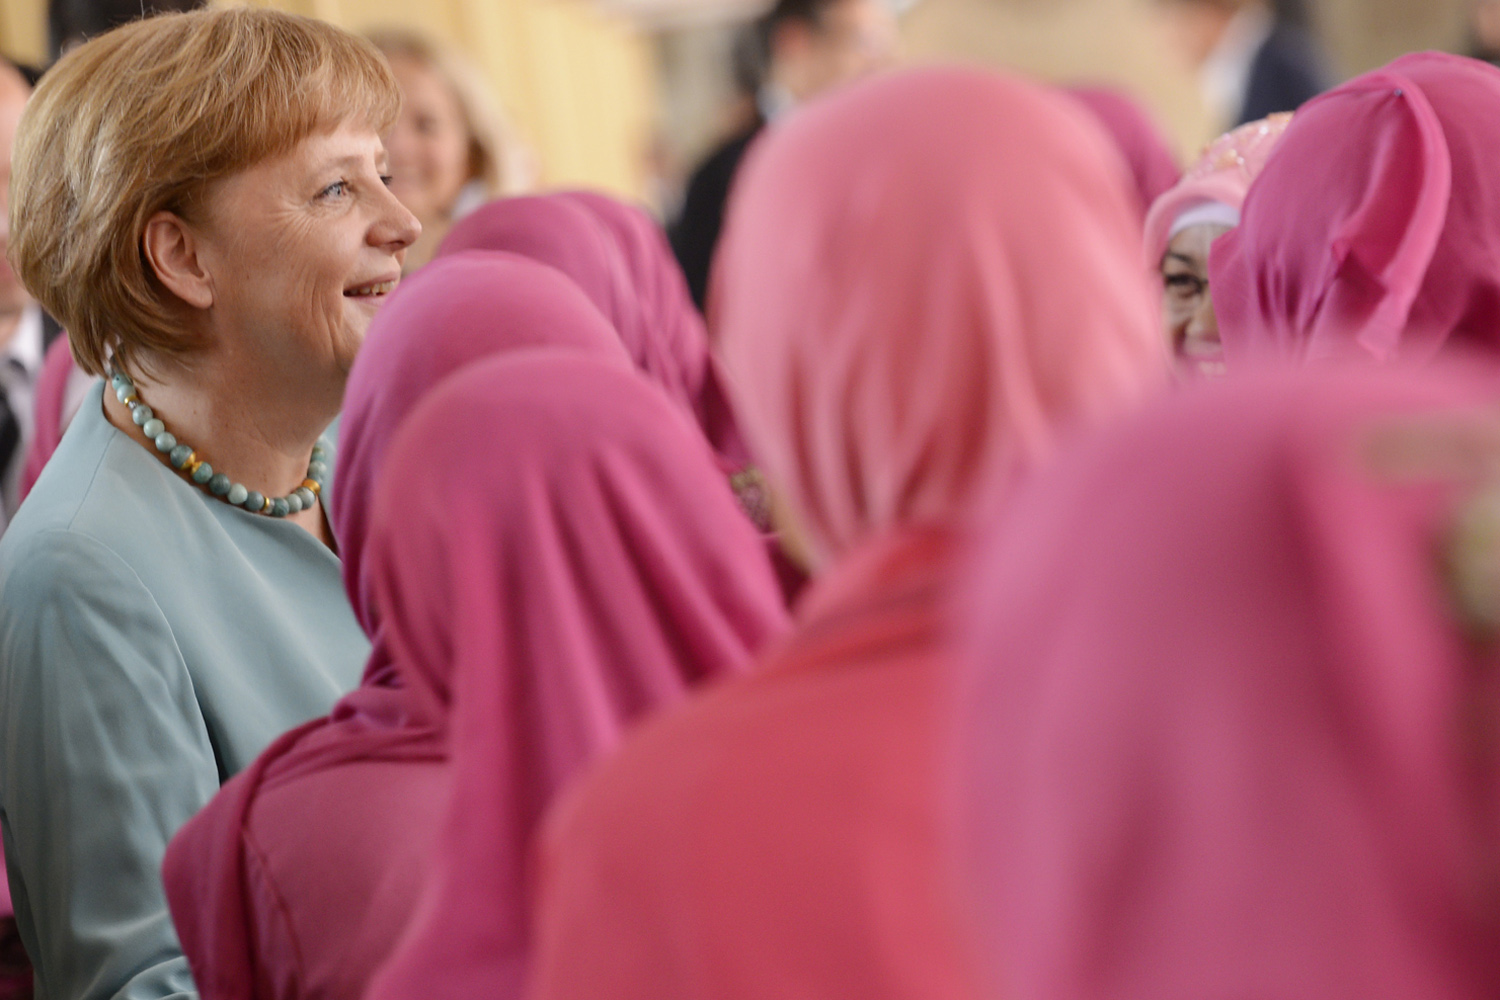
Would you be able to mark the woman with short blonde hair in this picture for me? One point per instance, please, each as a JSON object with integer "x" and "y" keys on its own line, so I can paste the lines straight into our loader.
{"x": 200, "y": 199}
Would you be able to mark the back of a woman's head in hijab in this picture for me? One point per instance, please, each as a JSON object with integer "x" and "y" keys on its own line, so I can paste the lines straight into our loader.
{"x": 1230, "y": 730}
{"x": 1374, "y": 230}
{"x": 925, "y": 282}
{"x": 554, "y": 526}
{"x": 453, "y": 312}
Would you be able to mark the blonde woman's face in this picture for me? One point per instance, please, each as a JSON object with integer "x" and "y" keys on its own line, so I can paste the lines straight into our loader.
{"x": 429, "y": 145}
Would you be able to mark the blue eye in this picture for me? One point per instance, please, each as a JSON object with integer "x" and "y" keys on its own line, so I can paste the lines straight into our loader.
{"x": 334, "y": 190}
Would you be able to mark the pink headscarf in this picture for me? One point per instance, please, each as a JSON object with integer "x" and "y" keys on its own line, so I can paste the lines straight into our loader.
{"x": 1152, "y": 164}
{"x": 1226, "y": 736}
{"x": 621, "y": 261}
{"x": 667, "y": 337}
{"x": 455, "y": 311}
{"x": 907, "y": 330}
{"x": 590, "y": 569}
{"x": 450, "y": 314}
{"x": 1221, "y": 177}
{"x": 1373, "y": 233}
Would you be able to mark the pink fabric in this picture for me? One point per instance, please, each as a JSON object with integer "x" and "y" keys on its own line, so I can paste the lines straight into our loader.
{"x": 666, "y": 337}
{"x": 1153, "y": 165}
{"x": 298, "y": 878}
{"x": 621, "y": 260}
{"x": 50, "y": 397}
{"x": 897, "y": 300}
{"x": 589, "y": 571}
{"x": 907, "y": 330}
{"x": 1226, "y": 736}
{"x": 1223, "y": 174}
{"x": 1373, "y": 232}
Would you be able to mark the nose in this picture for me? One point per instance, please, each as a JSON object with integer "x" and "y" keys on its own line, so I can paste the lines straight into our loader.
{"x": 1203, "y": 327}
{"x": 395, "y": 228}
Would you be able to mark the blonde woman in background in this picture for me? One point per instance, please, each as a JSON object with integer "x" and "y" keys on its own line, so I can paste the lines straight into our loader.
{"x": 451, "y": 149}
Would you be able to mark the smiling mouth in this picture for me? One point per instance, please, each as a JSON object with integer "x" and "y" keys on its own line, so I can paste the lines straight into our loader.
{"x": 373, "y": 290}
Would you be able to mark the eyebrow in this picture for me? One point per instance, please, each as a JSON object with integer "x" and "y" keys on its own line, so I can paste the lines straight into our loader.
{"x": 1181, "y": 259}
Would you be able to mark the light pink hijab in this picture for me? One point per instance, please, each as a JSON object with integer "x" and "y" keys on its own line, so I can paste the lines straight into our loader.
{"x": 1374, "y": 231}
{"x": 620, "y": 259}
{"x": 450, "y": 314}
{"x": 926, "y": 282}
{"x": 908, "y": 330}
{"x": 591, "y": 569}
{"x": 1227, "y": 736}
{"x": 1221, "y": 178}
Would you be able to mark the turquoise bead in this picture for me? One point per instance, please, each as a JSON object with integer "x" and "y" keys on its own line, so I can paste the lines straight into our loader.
{"x": 124, "y": 392}
{"x": 119, "y": 380}
{"x": 293, "y": 502}
{"x": 153, "y": 427}
{"x": 165, "y": 441}
{"x": 203, "y": 473}
{"x": 219, "y": 484}
{"x": 179, "y": 456}
{"x": 317, "y": 470}
{"x": 280, "y": 508}
{"x": 306, "y": 496}
{"x": 237, "y": 494}
{"x": 254, "y": 501}
{"x": 141, "y": 414}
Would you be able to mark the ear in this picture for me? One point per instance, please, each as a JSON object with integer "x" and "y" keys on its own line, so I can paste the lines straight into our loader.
{"x": 791, "y": 38}
{"x": 174, "y": 252}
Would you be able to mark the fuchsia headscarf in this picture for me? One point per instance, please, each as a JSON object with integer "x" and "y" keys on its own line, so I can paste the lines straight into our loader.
{"x": 1152, "y": 164}
{"x": 1226, "y": 735}
{"x": 1221, "y": 177}
{"x": 927, "y": 280}
{"x": 450, "y": 314}
{"x": 621, "y": 260}
{"x": 589, "y": 569}
{"x": 1374, "y": 231}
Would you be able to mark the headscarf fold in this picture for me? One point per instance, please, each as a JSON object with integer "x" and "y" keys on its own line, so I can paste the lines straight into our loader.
{"x": 1373, "y": 232}
{"x": 1222, "y": 176}
{"x": 621, "y": 260}
{"x": 1226, "y": 733}
{"x": 591, "y": 569}
{"x": 899, "y": 337}
{"x": 450, "y": 314}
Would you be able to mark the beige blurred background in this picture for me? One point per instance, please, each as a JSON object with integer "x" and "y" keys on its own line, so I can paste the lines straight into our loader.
{"x": 626, "y": 94}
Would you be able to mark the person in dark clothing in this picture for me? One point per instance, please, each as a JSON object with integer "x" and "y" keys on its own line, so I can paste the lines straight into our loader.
{"x": 799, "y": 50}
{"x": 1254, "y": 58}
{"x": 73, "y": 22}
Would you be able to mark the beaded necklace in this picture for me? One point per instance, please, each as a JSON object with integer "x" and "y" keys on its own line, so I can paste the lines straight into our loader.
{"x": 184, "y": 459}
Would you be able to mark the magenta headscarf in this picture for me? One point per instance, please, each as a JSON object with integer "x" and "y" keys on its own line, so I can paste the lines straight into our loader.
{"x": 908, "y": 330}
{"x": 1219, "y": 181}
{"x": 1226, "y": 735}
{"x": 589, "y": 569}
{"x": 1152, "y": 164}
{"x": 450, "y": 314}
{"x": 1374, "y": 231}
{"x": 453, "y": 312}
{"x": 622, "y": 263}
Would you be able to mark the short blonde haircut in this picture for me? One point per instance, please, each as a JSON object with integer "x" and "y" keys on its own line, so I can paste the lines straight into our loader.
{"x": 497, "y": 158}
{"x": 146, "y": 118}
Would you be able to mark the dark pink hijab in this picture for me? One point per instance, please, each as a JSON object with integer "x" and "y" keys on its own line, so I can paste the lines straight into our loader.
{"x": 620, "y": 259}
{"x": 1374, "y": 231}
{"x": 590, "y": 570}
{"x": 450, "y": 314}
{"x": 1228, "y": 735}
{"x": 1153, "y": 167}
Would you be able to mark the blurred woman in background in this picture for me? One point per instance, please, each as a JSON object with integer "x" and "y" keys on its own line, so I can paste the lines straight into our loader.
{"x": 451, "y": 149}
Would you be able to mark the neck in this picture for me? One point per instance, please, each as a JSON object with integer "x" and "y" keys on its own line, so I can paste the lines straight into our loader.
{"x": 249, "y": 432}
